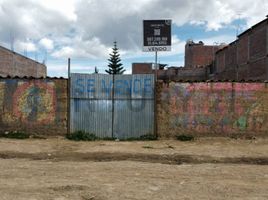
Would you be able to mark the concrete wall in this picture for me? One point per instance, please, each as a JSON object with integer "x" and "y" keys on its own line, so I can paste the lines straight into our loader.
{"x": 34, "y": 105}
{"x": 214, "y": 109}
{"x": 13, "y": 64}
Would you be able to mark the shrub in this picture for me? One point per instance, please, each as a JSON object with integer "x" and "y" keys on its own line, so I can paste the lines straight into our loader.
{"x": 81, "y": 136}
{"x": 84, "y": 136}
{"x": 148, "y": 137}
{"x": 185, "y": 137}
{"x": 15, "y": 135}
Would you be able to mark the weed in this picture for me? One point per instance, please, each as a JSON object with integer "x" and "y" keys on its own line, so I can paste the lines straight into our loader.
{"x": 185, "y": 137}
{"x": 148, "y": 137}
{"x": 81, "y": 136}
{"x": 15, "y": 135}
{"x": 84, "y": 136}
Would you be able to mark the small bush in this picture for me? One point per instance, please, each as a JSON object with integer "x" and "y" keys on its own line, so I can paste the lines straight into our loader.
{"x": 84, "y": 136}
{"x": 185, "y": 137}
{"x": 81, "y": 136}
{"x": 15, "y": 135}
{"x": 148, "y": 137}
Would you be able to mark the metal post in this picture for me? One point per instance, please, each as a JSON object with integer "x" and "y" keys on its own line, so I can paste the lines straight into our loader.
{"x": 155, "y": 67}
{"x": 113, "y": 108}
{"x": 69, "y": 97}
{"x": 155, "y": 96}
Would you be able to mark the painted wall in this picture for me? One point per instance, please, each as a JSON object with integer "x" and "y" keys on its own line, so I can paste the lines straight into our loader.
{"x": 34, "y": 105}
{"x": 215, "y": 109}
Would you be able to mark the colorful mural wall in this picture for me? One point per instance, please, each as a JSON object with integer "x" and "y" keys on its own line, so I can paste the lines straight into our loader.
{"x": 216, "y": 109}
{"x": 203, "y": 109}
{"x": 33, "y": 105}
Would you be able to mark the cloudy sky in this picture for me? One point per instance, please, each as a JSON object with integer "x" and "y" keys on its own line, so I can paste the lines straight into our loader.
{"x": 85, "y": 29}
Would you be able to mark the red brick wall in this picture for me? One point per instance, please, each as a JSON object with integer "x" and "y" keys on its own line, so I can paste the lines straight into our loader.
{"x": 257, "y": 40}
{"x": 220, "y": 61}
{"x": 242, "y": 50}
{"x": 13, "y": 64}
{"x": 230, "y": 56}
{"x": 245, "y": 58}
{"x": 184, "y": 73}
{"x": 142, "y": 68}
{"x": 197, "y": 55}
{"x": 258, "y": 69}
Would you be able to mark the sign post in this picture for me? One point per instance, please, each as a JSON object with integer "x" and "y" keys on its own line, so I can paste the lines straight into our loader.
{"x": 156, "y": 37}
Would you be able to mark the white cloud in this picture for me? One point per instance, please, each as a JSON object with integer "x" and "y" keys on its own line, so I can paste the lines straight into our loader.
{"x": 65, "y": 7}
{"x": 87, "y": 28}
{"x": 79, "y": 48}
{"x": 46, "y": 43}
{"x": 64, "y": 52}
{"x": 25, "y": 46}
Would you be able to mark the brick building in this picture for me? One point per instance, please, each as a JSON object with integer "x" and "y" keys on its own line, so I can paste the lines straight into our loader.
{"x": 172, "y": 73}
{"x": 198, "y": 57}
{"x": 13, "y": 64}
{"x": 198, "y": 54}
{"x": 246, "y": 58}
{"x": 142, "y": 68}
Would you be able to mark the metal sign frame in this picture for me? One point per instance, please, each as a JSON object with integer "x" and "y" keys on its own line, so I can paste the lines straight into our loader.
{"x": 157, "y": 35}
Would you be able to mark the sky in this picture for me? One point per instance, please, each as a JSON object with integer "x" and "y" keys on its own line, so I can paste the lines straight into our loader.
{"x": 84, "y": 30}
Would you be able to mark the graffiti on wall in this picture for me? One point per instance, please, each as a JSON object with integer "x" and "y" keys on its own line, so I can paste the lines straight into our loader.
{"x": 35, "y": 102}
{"x": 103, "y": 87}
{"x": 214, "y": 107}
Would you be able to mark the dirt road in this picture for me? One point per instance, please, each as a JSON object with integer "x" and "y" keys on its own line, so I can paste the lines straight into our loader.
{"x": 58, "y": 169}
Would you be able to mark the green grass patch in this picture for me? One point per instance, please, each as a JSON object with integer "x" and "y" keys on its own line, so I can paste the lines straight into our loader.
{"x": 15, "y": 135}
{"x": 84, "y": 136}
{"x": 81, "y": 136}
{"x": 148, "y": 137}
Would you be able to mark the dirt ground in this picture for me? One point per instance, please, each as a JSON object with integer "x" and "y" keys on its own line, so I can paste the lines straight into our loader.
{"x": 208, "y": 168}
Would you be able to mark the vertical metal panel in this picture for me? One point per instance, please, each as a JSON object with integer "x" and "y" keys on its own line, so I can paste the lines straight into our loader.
{"x": 133, "y": 118}
{"x": 92, "y": 116}
{"x": 91, "y": 86}
{"x": 92, "y": 103}
{"x": 138, "y": 86}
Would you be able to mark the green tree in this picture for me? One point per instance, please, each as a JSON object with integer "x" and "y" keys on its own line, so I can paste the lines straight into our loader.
{"x": 115, "y": 67}
{"x": 96, "y": 70}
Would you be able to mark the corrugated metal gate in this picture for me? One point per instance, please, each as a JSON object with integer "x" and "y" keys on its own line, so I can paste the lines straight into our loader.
{"x": 119, "y": 106}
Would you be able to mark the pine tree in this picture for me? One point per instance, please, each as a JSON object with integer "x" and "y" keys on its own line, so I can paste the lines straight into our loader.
{"x": 96, "y": 70}
{"x": 115, "y": 67}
